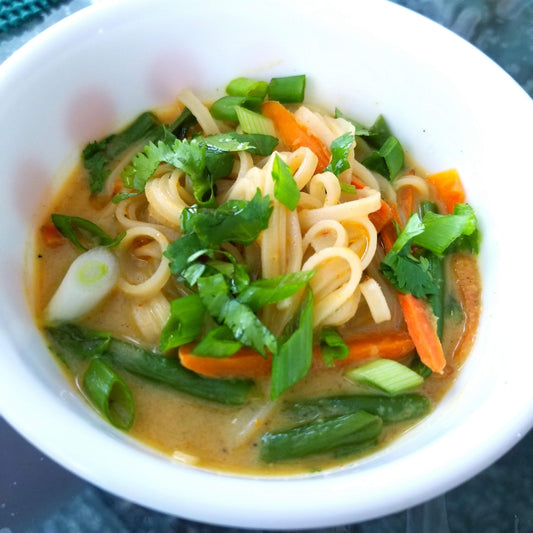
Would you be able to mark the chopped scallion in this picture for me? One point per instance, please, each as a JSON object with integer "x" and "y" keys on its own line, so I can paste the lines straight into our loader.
{"x": 252, "y": 122}
{"x": 89, "y": 279}
{"x": 288, "y": 89}
{"x": 74, "y": 228}
{"x": 108, "y": 392}
{"x": 224, "y": 108}
{"x": 388, "y": 160}
{"x": 387, "y": 375}
{"x": 285, "y": 187}
{"x": 247, "y": 87}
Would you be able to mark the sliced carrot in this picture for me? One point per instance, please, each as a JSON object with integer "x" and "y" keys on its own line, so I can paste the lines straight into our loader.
{"x": 52, "y": 237}
{"x": 448, "y": 187}
{"x": 382, "y": 216}
{"x": 406, "y": 201}
{"x": 358, "y": 183}
{"x": 294, "y": 134}
{"x": 246, "y": 363}
{"x": 421, "y": 323}
{"x": 422, "y": 327}
{"x": 388, "y": 235}
{"x": 118, "y": 186}
{"x": 386, "y": 345}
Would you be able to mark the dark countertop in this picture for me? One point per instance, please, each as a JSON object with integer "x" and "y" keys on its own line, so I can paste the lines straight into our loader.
{"x": 38, "y": 496}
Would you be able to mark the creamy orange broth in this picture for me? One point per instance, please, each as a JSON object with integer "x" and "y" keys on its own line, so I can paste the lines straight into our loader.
{"x": 182, "y": 426}
{"x": 205, "y": 433}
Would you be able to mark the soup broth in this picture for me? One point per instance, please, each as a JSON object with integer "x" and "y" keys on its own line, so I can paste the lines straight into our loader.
{"x": 231, "y": 437}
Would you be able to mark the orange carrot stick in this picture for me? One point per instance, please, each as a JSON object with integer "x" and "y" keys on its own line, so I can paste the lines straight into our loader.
{"x": 247, "y": 363}
{"x": 422, "y": 327}
{"x": 294, "y": 134}
{"x": 388, "y": 235}
{"x": 406, "y": 201}
{"x": 382, "y": 216}
{"x": 386, "y": 345}
{"x": 421, "y": 323}
{"x": 448, "y": 187}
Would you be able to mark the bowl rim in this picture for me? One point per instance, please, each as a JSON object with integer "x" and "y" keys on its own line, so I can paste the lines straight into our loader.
{"x": 281, "y": 511}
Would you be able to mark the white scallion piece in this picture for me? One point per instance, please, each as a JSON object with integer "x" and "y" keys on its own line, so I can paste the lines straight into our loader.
{"x": 387, "y": 375}
{"x": 252, "y": 122}
{"x": 89, "y": 279}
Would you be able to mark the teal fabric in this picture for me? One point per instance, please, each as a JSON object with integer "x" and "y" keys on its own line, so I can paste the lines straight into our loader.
{"x": 16, "y": 13}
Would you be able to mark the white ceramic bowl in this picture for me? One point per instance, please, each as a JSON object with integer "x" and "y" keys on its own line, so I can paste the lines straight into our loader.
{"x": 450, "y": 106}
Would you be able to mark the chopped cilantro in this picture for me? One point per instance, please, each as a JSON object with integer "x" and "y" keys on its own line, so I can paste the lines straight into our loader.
{"x": 285, "y": 188}
{"x": 340, "y": 148}
{"x": 99, "y": 155}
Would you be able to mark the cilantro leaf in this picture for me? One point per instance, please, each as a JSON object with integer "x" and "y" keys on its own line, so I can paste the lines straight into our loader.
{"x": 332, "y": 346}
{"x": 239, "y": 318}
{"x": 180, "y": 250}
{"x": 285, "y": 187}
{"x": 406, "y": 272}
{"x": 218, "y": 342}
{"x": 185, "y": 323}
{"x": 409, "y": 274}
{"x": 340, "y": 148}
{"x": 388, "y": 160}
{"x": 99, "y": 155}
{"x": 266, "y": 291}
{"x": 237, "y": 221}
{"x": 188, "y": 156}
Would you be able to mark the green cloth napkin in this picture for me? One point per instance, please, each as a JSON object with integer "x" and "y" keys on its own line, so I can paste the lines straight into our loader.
{"x": 15, "y": 13}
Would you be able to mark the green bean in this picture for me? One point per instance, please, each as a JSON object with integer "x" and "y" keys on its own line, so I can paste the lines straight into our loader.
{"x": 388, "y": 408}
{"x": 169, "y": 371}
{"x": 319, "y": 437}
{"x": 71, "y": 342}
{"x": 355, "y": 449}
{"x": 108, "y": 392}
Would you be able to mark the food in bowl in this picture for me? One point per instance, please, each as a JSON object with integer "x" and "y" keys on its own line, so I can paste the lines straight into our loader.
{"x": 256, "y": 285}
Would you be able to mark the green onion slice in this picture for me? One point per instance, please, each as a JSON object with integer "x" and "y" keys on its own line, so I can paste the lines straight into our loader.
{"x": 224, "y": 108}
{"x": 287, "y": 89}
{"x": 89, "y": 279}
{"x": 247, "y": 87}
{"x": 74, "y": 228}
{"x": 387, "y": 375}
{"x": 388, "y": 160}
{"x": 108, "y": 392}
{"x": 285, "y": 187}
{"x": 252, "y": 122}
{"x": 293, "y": 359}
